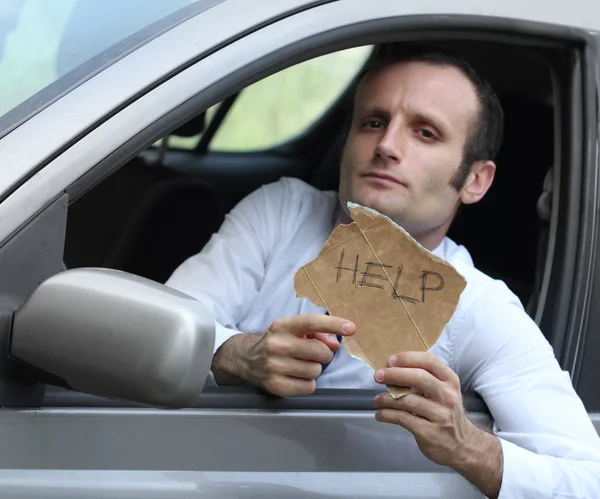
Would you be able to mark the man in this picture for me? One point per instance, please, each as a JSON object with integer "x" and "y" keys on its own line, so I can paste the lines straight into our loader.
{"x": 424, "y": 133}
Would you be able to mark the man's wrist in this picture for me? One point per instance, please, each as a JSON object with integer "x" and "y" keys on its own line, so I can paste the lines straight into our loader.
{"x": 481, "y": 462}
{"x": 230, "y": 361}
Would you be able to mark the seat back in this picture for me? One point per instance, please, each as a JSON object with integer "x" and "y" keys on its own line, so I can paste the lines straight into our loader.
{"x": 501, "y": 231}
{"x": 97, "y": 219}
{"x": 173, "y": 222}
{"x": 544, "y": 210}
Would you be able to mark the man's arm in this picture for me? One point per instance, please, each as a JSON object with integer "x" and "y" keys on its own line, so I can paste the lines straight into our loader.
{"x": 434, "y": 414}
{"x": 544, "y": 444}
{"x": 286, "y": 359}
{"x": 229, "y": 271}
{"x": 549, "y": 445}
{"x": 227, "y": 276}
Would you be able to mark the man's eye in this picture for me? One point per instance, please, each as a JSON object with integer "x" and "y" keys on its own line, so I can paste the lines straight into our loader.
{"x": 427, "y": 134}
{"x": 373, "y": 124}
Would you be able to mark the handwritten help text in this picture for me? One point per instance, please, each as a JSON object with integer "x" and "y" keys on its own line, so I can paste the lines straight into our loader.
{"x": 377, "y": 275}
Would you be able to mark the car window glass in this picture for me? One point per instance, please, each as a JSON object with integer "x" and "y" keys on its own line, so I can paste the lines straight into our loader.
{"x": 48, "y": 47}
{"x": 281, "y": 106}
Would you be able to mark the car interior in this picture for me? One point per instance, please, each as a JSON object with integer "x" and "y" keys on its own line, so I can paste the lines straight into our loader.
{"x": 163, "y": 205}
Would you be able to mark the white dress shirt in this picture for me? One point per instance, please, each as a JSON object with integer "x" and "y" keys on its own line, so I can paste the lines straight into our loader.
{"x": 245, "y": 274}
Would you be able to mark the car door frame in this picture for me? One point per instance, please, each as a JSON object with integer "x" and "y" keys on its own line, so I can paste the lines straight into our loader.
{"x": 100, "y": 151}
{"x": 582, "y": 349}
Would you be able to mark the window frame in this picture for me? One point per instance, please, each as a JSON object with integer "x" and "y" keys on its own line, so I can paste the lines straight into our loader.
{"x": 568, "y": 182}
{"x": 582, "y": 346}
{"x": 381, "y": 30}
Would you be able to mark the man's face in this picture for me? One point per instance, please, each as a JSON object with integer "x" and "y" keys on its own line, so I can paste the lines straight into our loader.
{"x": 409, "y": 127}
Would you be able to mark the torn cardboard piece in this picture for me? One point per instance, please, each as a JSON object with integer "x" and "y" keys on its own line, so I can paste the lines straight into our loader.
{"x": 372, "y": 272}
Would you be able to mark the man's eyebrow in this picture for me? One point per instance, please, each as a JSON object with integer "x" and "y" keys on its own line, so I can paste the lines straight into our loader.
{"x": 435, "y": 121}
{"x": 375, "y": 111}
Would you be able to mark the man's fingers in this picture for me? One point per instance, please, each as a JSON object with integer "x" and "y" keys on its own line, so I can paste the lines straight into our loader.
{"x": 415, "y": 404}
{"x": 424, "y": 360}
{"x": 328, "y": 339}
{"x": 418, "y": 379}
{"x": 311, "y": 349}
{"x": 296, "y": 368}
{"x": 287, "y": 345}
{"x": 412, "y": 423}
{"x": 286, "y": 386}
{"x": 300, "y": 325}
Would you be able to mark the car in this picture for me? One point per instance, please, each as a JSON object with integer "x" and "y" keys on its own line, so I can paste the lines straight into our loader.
{"x": 128, "y": 130}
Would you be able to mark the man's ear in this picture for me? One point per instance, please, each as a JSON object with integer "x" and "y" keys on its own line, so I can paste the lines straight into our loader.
{"x": 478, "y": 182}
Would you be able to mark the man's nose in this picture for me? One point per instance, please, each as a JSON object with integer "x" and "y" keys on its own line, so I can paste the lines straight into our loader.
{"x": 388, "y": 148}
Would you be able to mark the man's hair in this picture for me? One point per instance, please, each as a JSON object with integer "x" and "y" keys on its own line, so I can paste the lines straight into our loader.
{"x": 485, "y": 136}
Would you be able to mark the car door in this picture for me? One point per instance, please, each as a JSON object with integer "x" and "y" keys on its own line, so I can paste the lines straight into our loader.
{"x": 232, "y": 442}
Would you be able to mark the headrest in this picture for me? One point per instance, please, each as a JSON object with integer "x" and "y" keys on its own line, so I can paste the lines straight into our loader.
{"x": 544, "y": 204}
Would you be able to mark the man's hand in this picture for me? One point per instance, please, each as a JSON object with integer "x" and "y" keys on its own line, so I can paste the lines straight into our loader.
{"x": 434, "y": 414}
{"x": 287, "y": 359}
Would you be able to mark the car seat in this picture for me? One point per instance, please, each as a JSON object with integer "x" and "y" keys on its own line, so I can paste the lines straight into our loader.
{"x": 97, "y": 219}
{"x": 173, "y": 222}
{"x": 501, "y": 231}
{"x": 544, "y": 210}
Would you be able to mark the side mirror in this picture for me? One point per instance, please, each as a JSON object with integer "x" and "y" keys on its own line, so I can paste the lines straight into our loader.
{"x": 117, "y": 335}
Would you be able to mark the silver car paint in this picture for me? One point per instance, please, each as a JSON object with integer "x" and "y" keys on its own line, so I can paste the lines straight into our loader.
{"x": 21, "y": 484}
{"x": 266, "y": 453}
{"x": 272, "y": 446}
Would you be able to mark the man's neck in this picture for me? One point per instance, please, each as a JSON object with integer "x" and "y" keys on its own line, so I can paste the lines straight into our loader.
{"x": 430, "y": 239}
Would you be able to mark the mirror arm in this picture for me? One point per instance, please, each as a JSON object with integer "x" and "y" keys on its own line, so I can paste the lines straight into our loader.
{"x": 20, "y": 386}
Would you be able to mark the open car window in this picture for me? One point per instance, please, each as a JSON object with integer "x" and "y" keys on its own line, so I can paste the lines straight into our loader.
{"x": 144, "y": 231}
{"x": 282, "y": 106}
{"x": 279, "y": 108}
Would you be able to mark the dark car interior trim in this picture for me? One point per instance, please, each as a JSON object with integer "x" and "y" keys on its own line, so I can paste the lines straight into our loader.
{"x": 588, "y": 218}
{"x": 238, "y": 398}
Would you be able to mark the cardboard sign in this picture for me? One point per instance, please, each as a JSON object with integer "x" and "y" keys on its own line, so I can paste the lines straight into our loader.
{"x": 372, "y": 272}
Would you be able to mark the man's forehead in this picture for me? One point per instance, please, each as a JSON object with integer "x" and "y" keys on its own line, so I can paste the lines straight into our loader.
{"x": 440, "y": 88}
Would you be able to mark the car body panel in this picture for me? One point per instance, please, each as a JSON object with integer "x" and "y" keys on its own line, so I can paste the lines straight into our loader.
{"x": 117, "y": 452}
{"x": 23, "y": 484}
{"x": 183, "y": 453}
{"x": 278, "y": 453}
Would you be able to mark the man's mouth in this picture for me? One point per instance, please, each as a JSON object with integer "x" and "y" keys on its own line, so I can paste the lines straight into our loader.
{"x": 383, "y": 178}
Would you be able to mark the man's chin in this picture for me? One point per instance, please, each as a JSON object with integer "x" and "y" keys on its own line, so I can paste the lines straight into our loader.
{"x": 375, "y": 203}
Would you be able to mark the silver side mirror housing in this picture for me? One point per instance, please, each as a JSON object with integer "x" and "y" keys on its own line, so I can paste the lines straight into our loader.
{"x": 113, "y": 334}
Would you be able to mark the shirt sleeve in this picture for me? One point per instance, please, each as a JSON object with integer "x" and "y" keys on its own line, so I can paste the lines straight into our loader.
{"x": 550, "y": 447}
{"x": 228, "y": 273}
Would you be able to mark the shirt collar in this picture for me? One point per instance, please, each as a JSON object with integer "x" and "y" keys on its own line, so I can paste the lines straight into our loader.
{"x": 440, "y": 250}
